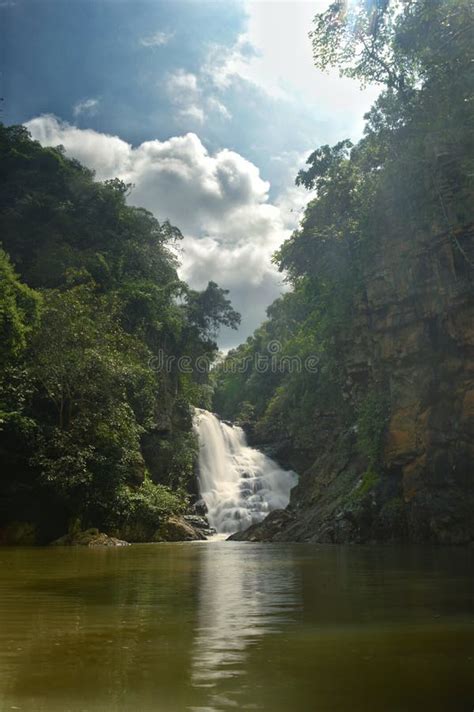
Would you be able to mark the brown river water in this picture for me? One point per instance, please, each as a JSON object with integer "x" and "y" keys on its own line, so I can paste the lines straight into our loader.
{"x": 236, "y": 626}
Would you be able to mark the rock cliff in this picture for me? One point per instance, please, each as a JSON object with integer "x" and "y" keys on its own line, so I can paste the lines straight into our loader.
{"x": 408, "y": 360}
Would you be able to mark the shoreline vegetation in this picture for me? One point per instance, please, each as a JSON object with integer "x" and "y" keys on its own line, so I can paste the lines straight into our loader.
{"x": 90, "y": 431}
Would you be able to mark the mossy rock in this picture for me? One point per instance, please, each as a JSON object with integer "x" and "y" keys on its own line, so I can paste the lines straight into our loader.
{"x": 178, "y": 529}
{"x": 89, "y": 537}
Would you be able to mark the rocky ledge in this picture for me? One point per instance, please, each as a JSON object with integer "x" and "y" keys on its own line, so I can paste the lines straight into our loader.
{"x": 390, "y": 455}
{"x": 268, "y": 530}
{"x": 199, "y": 523}
{"x": 89, "y": 537}
{"x": 181, "y": 529}
{"x": 191, "y": 527}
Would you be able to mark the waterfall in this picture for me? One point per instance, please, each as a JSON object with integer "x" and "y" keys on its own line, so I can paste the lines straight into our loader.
{"x": 239, "y": 485}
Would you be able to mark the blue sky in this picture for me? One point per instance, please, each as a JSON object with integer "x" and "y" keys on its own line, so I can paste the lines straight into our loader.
{"x": 208, "y": 108}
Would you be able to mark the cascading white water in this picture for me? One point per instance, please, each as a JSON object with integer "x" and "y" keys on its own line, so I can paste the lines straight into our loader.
{"x": 239, "y": 485}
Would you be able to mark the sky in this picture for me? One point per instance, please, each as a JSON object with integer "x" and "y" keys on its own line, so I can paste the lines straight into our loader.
{"x": 208, "y": 108}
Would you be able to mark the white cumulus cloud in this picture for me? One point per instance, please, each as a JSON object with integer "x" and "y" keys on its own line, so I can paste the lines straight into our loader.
{"x": 182, "y": 88}
{"x": 182, "y": 84}
{"x": 85, "y": 106}
{"x": 275, "y": 55}
{"x": 106, "y": 155}
{"x": 191, "y": 97}
{"x": 219, "y": 201}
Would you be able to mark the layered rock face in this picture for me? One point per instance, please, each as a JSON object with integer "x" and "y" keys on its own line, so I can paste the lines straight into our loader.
{"x": 412, "y": 340}
{"x": 422, "y": 331}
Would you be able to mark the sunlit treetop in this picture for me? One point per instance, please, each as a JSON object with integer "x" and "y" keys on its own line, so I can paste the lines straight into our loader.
{"x": 390, "y": 42}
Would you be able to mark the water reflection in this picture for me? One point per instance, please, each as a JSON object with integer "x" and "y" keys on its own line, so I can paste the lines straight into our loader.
{"x": 96, "y": 630}
{"x": 211, "y": 627}
{"x": 245, "y": 593}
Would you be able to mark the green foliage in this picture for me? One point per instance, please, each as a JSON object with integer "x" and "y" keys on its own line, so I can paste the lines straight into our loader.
{"x": 246, "y": 416}
{"x": 172, "y": 457}
{"x": 369, "y": 482}
{"x": 90, "y": 303}
{"x": 394, "y": 44}
{"x": 372, "y": 420}
{"x": 19, "y": 316}
{"x": 19, "y": 311}
{"x": 363, "y": 496}
{"x": 148, "y": 505}
{"x": 357, "y": 39}
{"x": 325, "y": 164}
{"x": 412, "y": 173}
{"x": 210, "y": 309}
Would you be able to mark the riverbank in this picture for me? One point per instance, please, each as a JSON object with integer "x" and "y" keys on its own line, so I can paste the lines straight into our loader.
{"x": 188, "y": 527}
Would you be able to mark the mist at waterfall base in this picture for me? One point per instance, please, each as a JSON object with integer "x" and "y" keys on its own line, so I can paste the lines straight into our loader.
{"x": 239, "y": 485}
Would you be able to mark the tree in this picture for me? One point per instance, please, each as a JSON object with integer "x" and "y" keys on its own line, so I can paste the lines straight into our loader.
{"x": 19, "y": 317}
{"x": 397, "y": 44}
{"x": 210, "y": 309}
{"x": 412, "y": 173}
{"x": 90, "y": 425}
{"x": 19, "y": 312}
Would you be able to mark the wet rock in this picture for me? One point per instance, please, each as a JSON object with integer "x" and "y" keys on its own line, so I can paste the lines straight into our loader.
{"x": 200, "y": 524}
{"x": 178, "y": 529}
{"x": 89, "y": 537}
{"x": 196, "y": 521}
{"x": 266, "y": 530}
{"x": 200, "y": 508}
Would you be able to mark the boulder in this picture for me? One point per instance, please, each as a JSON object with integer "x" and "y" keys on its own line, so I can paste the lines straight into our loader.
{"x": 176, "y": 528}
{"x": 89, "y": 537}
{"x": 266, "y": 530}
{"x": 199, "y": 523}
{"x": 200, "y": 508}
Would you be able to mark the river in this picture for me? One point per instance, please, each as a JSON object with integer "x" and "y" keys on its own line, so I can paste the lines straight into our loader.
{"x": 236, "y": 626}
